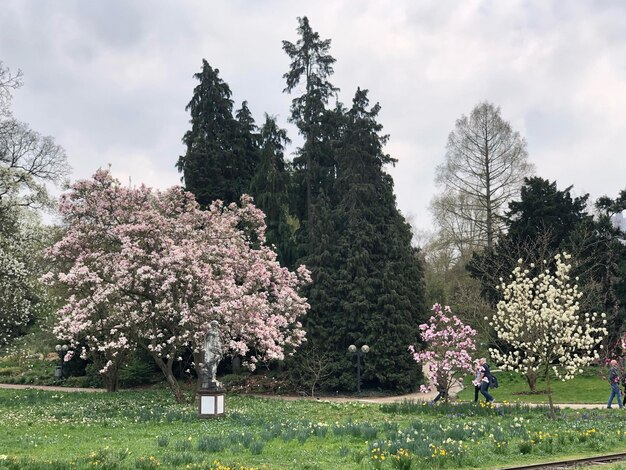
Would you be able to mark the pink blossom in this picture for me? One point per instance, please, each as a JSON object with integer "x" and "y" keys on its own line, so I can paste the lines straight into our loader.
{"x": 449, "y": 344}
{"x": 150, "y": 268}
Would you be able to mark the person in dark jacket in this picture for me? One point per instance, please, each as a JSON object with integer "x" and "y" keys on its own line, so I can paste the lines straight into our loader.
{"x": 614, "y": 382}
{"x": 485, "y": 380}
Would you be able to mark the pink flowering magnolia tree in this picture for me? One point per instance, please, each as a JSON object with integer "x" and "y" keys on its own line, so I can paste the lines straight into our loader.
{"x": 151, "y": 269}
{"x": 448, "y": 347}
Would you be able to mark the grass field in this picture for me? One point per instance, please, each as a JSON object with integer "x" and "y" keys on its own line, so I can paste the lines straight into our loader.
{"x": 146, "y": 429}
{"x": 589, "y": 387}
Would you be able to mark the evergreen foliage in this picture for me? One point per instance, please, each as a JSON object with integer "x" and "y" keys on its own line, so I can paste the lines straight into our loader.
{"x": 221, "y": 157}
{"x": 311, "y": 65}
{"x": 332, "y": 208}
{"x": 542, "y": 207}
{"x": 270, "y": 188}
{"x": 368, "y": 278}
{"x": 546, "y": 220}
{"x": 600, "y": 247}
{"x": 538, "y": 225}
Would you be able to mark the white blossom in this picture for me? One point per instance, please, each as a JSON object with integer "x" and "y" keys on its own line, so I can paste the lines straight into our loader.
{"x": 539, "y": 319}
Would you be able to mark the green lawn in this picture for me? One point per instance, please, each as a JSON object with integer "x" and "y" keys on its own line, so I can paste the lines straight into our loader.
{"x": 146, "y": 429}
{"x": 589, "y": 387}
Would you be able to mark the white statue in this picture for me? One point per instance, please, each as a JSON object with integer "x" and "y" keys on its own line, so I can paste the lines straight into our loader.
{"x": 212, "y": 356}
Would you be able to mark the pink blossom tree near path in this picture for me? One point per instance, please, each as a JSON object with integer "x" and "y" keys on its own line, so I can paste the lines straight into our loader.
{"x": 150, "y": 269}
{"x": 446, "y": 357}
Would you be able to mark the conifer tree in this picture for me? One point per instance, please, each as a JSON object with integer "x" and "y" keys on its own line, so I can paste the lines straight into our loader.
{"x": 384, "y": 284}
{"x": 247, "y": 143}
{"x": 219, "y": 162}
{"x": 368, "y": 287}
{"x": 538, "y": 225}
{"x": 311, "y": 66}
{"x": 270, "y": 189}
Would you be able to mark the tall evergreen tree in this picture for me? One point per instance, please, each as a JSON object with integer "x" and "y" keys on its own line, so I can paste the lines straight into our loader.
{"x": 368, "y": 274}
{"x": 600, "y": 247}
{"x": 219, "y": 162}
{"x": 270, "y": 189}
{"x": 538, "y": 225}
{"x": 384, "y": 294}
{"x": 311, "y": 66}
{"x": 247, "y": 142}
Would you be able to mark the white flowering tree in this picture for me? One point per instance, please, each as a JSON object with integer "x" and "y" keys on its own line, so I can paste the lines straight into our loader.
{"x": 15, "y": 306}
{"x": 540, "y": 324}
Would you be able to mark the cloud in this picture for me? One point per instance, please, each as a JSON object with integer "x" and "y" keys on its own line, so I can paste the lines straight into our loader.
{"x": 110, "y": 80}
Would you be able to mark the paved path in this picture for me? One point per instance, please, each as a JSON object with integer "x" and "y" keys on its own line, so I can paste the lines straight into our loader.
{"x": 388, "y": 399}
{"x": 51, "y": 388}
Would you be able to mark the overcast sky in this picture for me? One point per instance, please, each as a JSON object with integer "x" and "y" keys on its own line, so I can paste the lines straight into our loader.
{"x": 110, "y": 79}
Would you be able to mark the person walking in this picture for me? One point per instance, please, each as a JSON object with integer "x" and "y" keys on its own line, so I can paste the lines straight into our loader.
{"x": 614, "y": 381}
{"x": 477, "y": 379}
{"x": 485, "y": 380}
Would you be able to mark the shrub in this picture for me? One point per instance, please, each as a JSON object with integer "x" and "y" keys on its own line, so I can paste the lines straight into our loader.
{"x": 139, "y": 370}
{"x": 93, "y": 377}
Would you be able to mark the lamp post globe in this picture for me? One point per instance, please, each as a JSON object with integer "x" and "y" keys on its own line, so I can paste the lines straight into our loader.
{"x": 359, "y": 353}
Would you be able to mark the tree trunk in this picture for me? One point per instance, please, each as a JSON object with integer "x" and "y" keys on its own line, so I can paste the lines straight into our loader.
{"x": 237, "y": 365}
{"x": 166, "y": 368}
{"x": 549, "y": 390}
{"x": 112, "y": 376}
{"x": 488, "y": 205}
{"x": 111, "y": 379}
{"x": 531, "y": 378}
{"x": 198, "y": 358}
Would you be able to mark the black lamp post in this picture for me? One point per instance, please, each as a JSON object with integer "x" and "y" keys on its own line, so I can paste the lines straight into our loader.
{"x": 359, "y": 353}
{"x": 58, "y": 370}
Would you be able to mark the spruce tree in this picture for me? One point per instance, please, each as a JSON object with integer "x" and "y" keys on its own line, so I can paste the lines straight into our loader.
{"x": 219, "y": 162}
{"x": 311, "y": 66}
{"x": 270, "y": 188}
{"x": 369, "y": 287}
{"x": 382, "y": 276}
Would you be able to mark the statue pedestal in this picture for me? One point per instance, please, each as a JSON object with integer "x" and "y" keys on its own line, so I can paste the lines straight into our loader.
{"x": 211, "y": 403}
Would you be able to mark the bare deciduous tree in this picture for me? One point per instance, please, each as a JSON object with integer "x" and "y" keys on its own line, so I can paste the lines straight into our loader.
{"x": 8, "y": 82}
{"x": 484, "y": 168}
{"x": 28, "y": 161}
